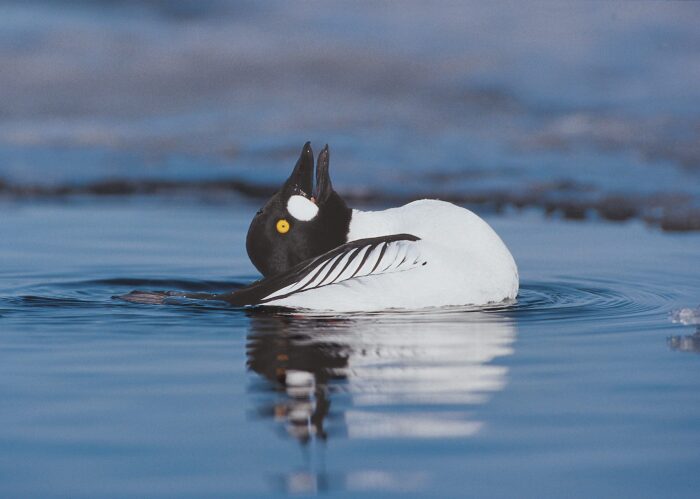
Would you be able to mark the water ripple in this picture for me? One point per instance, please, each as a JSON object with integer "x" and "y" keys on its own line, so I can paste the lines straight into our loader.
{"x": 583, "y": 300}
{"x": 588, "y": 300}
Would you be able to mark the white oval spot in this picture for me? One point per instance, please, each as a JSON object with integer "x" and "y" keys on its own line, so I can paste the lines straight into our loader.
{"x": 301, "y": 208}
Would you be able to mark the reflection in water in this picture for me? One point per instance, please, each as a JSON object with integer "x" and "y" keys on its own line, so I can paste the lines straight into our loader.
{"x": 686, "y": 343}
{"x": 280, "y": 350}
{"x": 390, "y": 375}
{"x": 687, "y": 317}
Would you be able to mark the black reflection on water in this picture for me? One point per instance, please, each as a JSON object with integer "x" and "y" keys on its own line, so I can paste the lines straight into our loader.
{"x": 281, "y": 349}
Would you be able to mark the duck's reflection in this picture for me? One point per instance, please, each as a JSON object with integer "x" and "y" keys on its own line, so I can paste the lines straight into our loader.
{"x": 299, "y": 368}
{"x": 391, "y": 375}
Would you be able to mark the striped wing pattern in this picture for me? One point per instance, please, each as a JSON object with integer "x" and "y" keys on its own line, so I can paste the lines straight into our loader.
{"x": 364, "y": 257}
{"x": 376, "y": 258}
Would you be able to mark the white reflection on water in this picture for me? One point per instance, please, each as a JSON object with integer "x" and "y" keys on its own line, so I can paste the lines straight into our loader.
{"x": 304, "y": 482}
{"x": 390, "y": 375}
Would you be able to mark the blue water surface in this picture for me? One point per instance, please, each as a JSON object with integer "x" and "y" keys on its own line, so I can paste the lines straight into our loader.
{"x": 576, "y": 390}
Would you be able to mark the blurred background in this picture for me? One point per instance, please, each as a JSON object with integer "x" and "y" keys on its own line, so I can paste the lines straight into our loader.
{"x": 581, "y": 110}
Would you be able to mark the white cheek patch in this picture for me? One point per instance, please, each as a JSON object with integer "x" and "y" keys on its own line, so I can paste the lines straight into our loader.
{"x": 301, "y": 208}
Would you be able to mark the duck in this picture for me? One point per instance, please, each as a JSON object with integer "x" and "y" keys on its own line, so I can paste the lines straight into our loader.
{"x": 316, "y": 253}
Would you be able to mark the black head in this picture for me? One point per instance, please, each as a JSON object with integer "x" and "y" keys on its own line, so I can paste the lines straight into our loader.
{"x": 298, "y": 223}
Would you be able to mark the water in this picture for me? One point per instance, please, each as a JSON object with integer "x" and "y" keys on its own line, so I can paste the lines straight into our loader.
{"x": 137, "y": 140}
{"x": 579, "y": 389}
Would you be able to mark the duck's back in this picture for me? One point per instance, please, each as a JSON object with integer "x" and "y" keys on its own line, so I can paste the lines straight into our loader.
{"x": 466, "y": 263}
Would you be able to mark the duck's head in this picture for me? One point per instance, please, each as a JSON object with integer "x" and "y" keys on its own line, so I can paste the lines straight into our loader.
{"x": 298, "y": 222}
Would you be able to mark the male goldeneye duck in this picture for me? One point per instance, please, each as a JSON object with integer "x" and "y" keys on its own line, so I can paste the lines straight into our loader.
{"x": 316, "y": 253}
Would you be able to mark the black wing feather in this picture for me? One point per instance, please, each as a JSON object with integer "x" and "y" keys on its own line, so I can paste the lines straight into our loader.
{"x": 315, "y": 272}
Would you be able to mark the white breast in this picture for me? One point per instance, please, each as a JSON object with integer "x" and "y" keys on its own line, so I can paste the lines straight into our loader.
{"x": 467, "y": 263}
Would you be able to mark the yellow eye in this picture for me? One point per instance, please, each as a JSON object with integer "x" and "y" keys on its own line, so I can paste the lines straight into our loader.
{"x": 282, "y": 226}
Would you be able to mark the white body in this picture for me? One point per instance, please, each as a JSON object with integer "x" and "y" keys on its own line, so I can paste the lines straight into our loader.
{"x": 467, "y": 263}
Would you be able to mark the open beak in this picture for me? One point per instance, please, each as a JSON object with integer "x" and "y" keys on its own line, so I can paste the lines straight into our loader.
{"x": 300, "y": 182}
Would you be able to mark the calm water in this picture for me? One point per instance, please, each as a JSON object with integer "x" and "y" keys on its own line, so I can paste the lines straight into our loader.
{"x": 137, "y": 139}
{"x": 578, "y": 390}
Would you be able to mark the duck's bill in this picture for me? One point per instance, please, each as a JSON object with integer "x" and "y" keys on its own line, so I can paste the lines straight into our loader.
{"x": 301, "y": 183}
{"x": 324, "y": 188}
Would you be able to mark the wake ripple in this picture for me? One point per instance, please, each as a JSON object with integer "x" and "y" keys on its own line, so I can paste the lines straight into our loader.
{"x": 565, "y": 300}
{"x": 588, "y": 300}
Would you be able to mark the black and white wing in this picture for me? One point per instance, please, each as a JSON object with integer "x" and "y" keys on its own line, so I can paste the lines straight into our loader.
{"x": 361, "y": 258}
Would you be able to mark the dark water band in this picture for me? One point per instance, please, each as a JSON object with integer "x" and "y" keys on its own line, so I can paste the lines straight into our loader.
{"x": 669, "y": 211}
